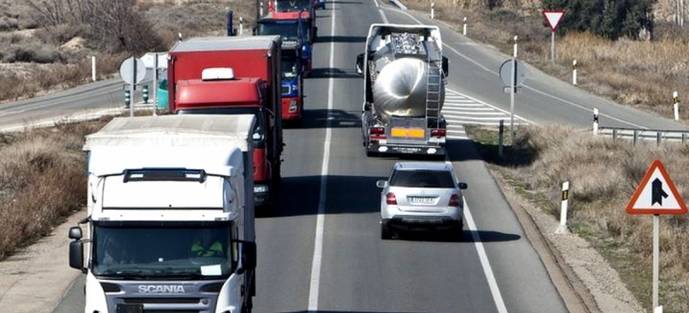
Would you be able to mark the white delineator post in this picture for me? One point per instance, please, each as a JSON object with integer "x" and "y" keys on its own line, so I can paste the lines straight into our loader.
{"x": 93, "y": 68}
{"x": 260, "y": 10}
{"x": 562, "y": 229}
{"x": 241, "y": 25}
{"x": 155, "y": 84}
{"x": 675, "y": 100}
{"x": 464, "y": 27}
{"x": 513, "y": 86}
{"x": 432, "y": 10}
{"x": 595, "y": 121}
{"x": 656, "y": 258}
{"x": 574, "y": 72}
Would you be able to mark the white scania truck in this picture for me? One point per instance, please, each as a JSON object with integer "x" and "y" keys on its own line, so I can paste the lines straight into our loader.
{"x": 170, "y": 224}
{"x": 404, "y": 82}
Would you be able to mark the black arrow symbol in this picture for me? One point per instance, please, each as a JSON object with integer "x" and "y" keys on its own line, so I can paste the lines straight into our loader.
{"x": 657, "y": 193}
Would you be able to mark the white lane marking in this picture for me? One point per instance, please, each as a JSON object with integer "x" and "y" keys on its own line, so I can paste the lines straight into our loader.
{"x": 485, "y": 264}
{"x": 376, "y": 3}
{"x": 315, "y": 283}
{"x": 380, "y": 11}
{"x": 579, "y": 106}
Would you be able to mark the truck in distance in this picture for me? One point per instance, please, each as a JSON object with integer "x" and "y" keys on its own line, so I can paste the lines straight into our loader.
{"x": 296, "y": 55}
{"x": 234, "y": 75}
{"x": 404, "y": 88}
{"x": 170, "y": 225}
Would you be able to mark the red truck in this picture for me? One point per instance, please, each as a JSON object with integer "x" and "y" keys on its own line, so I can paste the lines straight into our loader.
{"x": 233, "y": 75}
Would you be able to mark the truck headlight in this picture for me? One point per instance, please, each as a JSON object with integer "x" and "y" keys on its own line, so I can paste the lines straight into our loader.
{"x": 260, "y": 189}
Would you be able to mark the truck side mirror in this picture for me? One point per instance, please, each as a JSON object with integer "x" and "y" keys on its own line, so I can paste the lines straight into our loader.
{"x": 76, "y": 255}
{"x": 75, "y": 233}
{"x": 248, "y": 250}
{"x": 253, "y": 31}
{"x": 446, "y": 67}
{"x": 360, "y": 64}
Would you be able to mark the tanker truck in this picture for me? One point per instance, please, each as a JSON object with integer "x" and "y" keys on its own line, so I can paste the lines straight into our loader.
{"x": 404, "y": 82}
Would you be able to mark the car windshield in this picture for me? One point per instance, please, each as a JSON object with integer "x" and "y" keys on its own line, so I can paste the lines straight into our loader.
{"x": 163, "y": 251}
{"x": 422, "y": 178}
{"x": 293, "y": 5}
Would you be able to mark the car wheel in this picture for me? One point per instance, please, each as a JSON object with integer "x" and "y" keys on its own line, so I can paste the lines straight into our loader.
{"x": 385, "y": 232}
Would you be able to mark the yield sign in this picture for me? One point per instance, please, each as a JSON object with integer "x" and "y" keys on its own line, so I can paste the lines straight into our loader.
{"x": 656, "y": 194}
{"x": 553, "y": 17}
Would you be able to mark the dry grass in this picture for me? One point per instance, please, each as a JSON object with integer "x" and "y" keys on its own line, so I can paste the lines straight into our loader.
{"x": 42, "y": 181}
{"x": 636, "y": 73}
{"x": 603, "y": 175}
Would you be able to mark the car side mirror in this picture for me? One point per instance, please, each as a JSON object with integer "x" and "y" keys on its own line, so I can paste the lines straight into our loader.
{"x": 462, "y": 186}
{"x": 382, "y": 183}
{"x": 446, "y": 67}
{"x": 248, "y": 250}
{"x": 360, "y": 64}
{"x": 75, "y": 233}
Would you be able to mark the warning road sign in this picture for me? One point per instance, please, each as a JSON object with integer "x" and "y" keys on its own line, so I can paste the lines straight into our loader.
{"x": 656, "y": 194}
{"x": 553, "y": 17}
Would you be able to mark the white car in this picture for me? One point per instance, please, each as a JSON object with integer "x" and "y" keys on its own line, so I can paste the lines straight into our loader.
{"x": 421, "y": 195}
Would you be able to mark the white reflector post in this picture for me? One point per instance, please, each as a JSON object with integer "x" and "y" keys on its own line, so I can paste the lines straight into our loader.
{"x": 217, "y": 73}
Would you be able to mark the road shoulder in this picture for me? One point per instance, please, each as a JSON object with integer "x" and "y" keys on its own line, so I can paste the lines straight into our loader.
{"x": 35, "y": 278}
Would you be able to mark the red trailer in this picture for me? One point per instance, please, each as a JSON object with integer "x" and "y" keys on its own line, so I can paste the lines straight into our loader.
{"x": 232, "y": 75}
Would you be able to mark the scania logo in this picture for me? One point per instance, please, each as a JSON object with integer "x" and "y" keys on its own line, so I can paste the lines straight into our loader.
{"x": 161, "y": 289}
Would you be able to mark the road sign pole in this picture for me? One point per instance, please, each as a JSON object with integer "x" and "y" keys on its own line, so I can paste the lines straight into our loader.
{"x": 132, "y": 88}
{"x": 656, "y": 258}
{"x": 552, "y": 46}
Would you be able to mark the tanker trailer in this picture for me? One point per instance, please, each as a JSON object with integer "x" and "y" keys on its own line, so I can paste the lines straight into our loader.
{"x": 404, "y": 74}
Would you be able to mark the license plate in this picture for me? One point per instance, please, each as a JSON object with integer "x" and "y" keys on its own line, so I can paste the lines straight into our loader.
{"x": 408, "y": 132}
{"x": 422, "y": 200}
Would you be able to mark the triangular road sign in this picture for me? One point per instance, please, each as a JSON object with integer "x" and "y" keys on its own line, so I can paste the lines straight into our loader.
{"x": 553, "y": 17}
{"x": 656, "y": 194}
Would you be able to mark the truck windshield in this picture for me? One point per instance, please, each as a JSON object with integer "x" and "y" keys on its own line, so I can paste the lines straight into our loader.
{"x": 293, "y": 5}
{"x": 289, "y": 67}
{"x": 163, "y": 251}
{"x": 422, "y": 178}
{"x": 286, "y": 30}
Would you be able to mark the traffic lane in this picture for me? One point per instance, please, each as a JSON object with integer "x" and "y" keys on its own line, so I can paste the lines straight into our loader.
{"x": 520, "y": 274}
{"x": 285, "y": 238}
{"x": 544, "y": 98}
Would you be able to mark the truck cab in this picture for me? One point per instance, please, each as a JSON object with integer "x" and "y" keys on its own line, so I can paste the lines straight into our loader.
{"x": 170, "y": 225}
{"x": 232, "y": 76}
{"x": 295, "y": 33}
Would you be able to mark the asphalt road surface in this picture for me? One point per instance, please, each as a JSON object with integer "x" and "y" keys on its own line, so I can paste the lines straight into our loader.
{"x": 321, "y": 249}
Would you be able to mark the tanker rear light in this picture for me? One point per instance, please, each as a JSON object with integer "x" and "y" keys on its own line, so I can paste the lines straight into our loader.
{"x": 377, "y": 132}
{"x": 438, "y": 132}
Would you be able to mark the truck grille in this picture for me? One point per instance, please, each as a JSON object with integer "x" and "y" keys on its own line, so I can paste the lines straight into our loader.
{"x": 160, "y": 300}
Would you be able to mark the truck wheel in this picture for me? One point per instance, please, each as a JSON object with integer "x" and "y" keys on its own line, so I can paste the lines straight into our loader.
{"x": 385, "y": 231}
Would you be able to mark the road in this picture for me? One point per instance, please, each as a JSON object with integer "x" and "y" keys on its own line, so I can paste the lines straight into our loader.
{"x": 321, "y": 249}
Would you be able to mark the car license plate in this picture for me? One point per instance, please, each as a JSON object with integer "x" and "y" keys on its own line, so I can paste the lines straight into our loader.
{"x": 408, "y": 132}
{"x": 422, "y": 200}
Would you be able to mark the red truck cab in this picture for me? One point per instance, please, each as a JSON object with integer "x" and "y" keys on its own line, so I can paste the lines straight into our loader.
{"x": 230, "y": 75}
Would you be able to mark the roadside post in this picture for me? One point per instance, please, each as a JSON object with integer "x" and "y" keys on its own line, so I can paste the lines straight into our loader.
{"x": 144, "y": 94}
{"x": 553, "y": 17}
{"x": 155, "y": 83}
{"x": 562, "y": 229}
{"x": 93, "y": 68}
{"x": 260, "y": 10}
{"x": 595, "y": 121}
{"x": 241, "y": 26}
{"x": 432, "y": 10}
{"x": 675, "y": 101}
{"x": 132, "y": 72}
{"x": 501, "y": 138}
{"x": 512, "y": 74}
{"x": 464, "y": 27}
{"x": 127, "y": 98}
{"x": 656, "y": 195}
{"x": 228, "y": 22}
{"x": 574, "y": 72}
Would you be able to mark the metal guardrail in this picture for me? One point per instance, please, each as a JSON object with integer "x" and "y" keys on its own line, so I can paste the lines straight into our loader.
{"x": 636, "y": 134}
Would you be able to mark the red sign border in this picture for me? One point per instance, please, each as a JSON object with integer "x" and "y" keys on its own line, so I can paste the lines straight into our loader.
{"x": 654, "y": 211}
{"x": 553, "y": 28}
